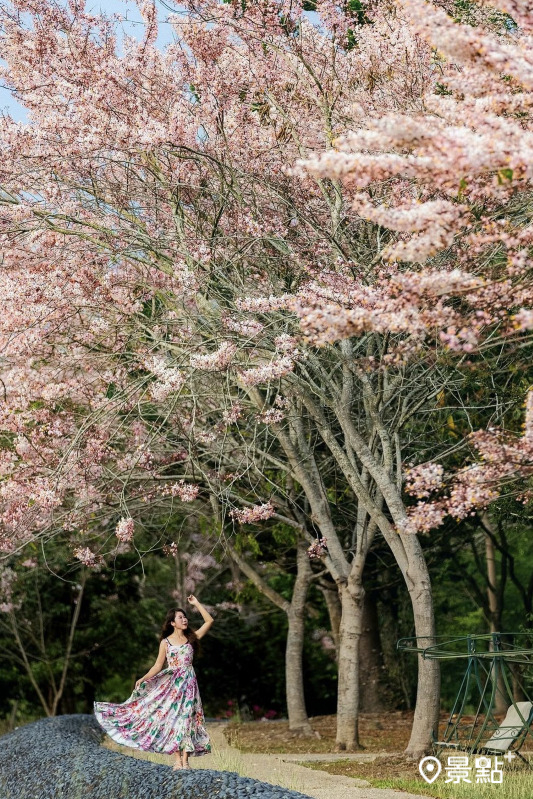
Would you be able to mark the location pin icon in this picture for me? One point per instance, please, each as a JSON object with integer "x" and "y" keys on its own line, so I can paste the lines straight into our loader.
{"x": 430, "y": 768}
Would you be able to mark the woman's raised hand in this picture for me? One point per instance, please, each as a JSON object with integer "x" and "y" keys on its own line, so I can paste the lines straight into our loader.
{"x": 191, "y": 599}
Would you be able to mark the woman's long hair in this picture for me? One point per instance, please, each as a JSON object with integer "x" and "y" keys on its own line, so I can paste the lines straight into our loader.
{"x": 168, "y": 629}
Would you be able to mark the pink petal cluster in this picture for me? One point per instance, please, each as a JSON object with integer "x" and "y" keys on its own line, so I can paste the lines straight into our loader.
{"x": 287, "y": 344}
{"x": 187, "y": 492}
{"x": 8, "y": 579}
{"x": 197, "y": 565}
{"x": 423, "y": 518}
{"x": 169, "y": 380}
{"x": 271, "y": 416}
{"x": 215, "y": 361}
{"x": 502, "y": 459}
{"x": 256, "y": 513}
{"x": 249, "y": 328}
{"x": 229, "y": 606}
{"x": 433, "y": 225}
{"x": 88, "y": 557}
{"x": 318, "y": 549}
{"x": 124, "y": 529}
{"x": 528, "y": 425}
{"x": 423, "y": 480}
{"x": 233, "y": 414}
{"x": 271, "y": 371}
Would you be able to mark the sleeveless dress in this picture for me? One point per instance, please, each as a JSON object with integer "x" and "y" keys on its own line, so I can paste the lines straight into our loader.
{"x": 164, "y": 713}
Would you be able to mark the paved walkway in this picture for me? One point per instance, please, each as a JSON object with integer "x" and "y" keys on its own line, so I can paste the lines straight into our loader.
{"x": 284, "y": 770}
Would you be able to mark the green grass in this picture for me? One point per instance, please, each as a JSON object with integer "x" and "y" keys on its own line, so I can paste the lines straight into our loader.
{"x": 514, "y": 786}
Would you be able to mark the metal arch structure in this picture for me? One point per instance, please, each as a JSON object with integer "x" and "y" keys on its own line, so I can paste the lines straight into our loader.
{"x": 493, "y": 662}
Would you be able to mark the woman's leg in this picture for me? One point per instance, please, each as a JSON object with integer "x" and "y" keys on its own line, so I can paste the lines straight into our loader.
{"x": 185, "y": 759}
{"x": 178, "y": 763}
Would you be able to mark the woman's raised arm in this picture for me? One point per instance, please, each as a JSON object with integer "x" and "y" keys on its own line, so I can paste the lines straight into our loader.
{"x": 206, "y": 616}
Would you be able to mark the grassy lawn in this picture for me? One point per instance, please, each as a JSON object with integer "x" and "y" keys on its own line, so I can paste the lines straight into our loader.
{"x": 399, "y": 773}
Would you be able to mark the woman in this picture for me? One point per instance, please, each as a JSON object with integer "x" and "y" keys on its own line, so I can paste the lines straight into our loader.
{"x": 164, "y": 713}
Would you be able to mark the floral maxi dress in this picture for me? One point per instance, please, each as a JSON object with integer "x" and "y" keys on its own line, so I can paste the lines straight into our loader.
{"x": 164, "y": 713}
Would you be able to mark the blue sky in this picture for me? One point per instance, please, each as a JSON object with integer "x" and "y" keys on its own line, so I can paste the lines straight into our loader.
{"x": 132, "y": 27}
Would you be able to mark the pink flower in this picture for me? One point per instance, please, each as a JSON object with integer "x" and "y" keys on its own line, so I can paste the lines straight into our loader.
{"x": 250, "y": 328}
{"x": 233, "y": 413}
{"x": 254, "y": 514}
{"x": 271, "y": 371}
{"x": 124, "y": 530}
{"x": 423, "y": 518}
{"x": 423, "y": 480}
{"x": 271, "y": 416}
{"x": 215, "y": 361}
{"x": 88, "y": 557}
{"x": 318, "y": 549}
{"x": 187, "y": 492}
{"x": 169, "y": 379}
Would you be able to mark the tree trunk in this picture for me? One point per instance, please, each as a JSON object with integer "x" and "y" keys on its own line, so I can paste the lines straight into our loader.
{"x": 516, "y": 681}
{"x": 405, "y": 548}
{"x": 298, "y": 720}
{"x": 333, "y": 604}
{"x": 492, "y": 592}
{"x": 352, "y": 595}
{"x": 495, "y": 614}
{"x": 348, "y": 671}
{"x": 13, "y": 715}
{"x": 370, "y": 659}
{"x": 27, "y": 665}
{"x": 426, "y": 718}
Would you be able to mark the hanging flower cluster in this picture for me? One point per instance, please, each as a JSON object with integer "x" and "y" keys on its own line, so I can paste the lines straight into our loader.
{"x": 423, "y": 480}
{"x": 215, "y": 361}
{"x": 187, "y": 492}
{"x": 124, "y": 530}
{"x": 256, "y": 513}
{"x": 88, "y": 557}
{"x": 318, "y": 549}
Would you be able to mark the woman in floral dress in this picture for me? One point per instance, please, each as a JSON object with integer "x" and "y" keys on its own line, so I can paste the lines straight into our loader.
{"x": 164, "y": 712}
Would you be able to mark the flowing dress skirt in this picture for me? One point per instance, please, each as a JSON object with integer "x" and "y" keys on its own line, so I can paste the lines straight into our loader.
{"x": 164, "y": 714}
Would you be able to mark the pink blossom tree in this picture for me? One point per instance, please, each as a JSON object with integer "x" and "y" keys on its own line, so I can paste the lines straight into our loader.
{"x": 238, "y": 264}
